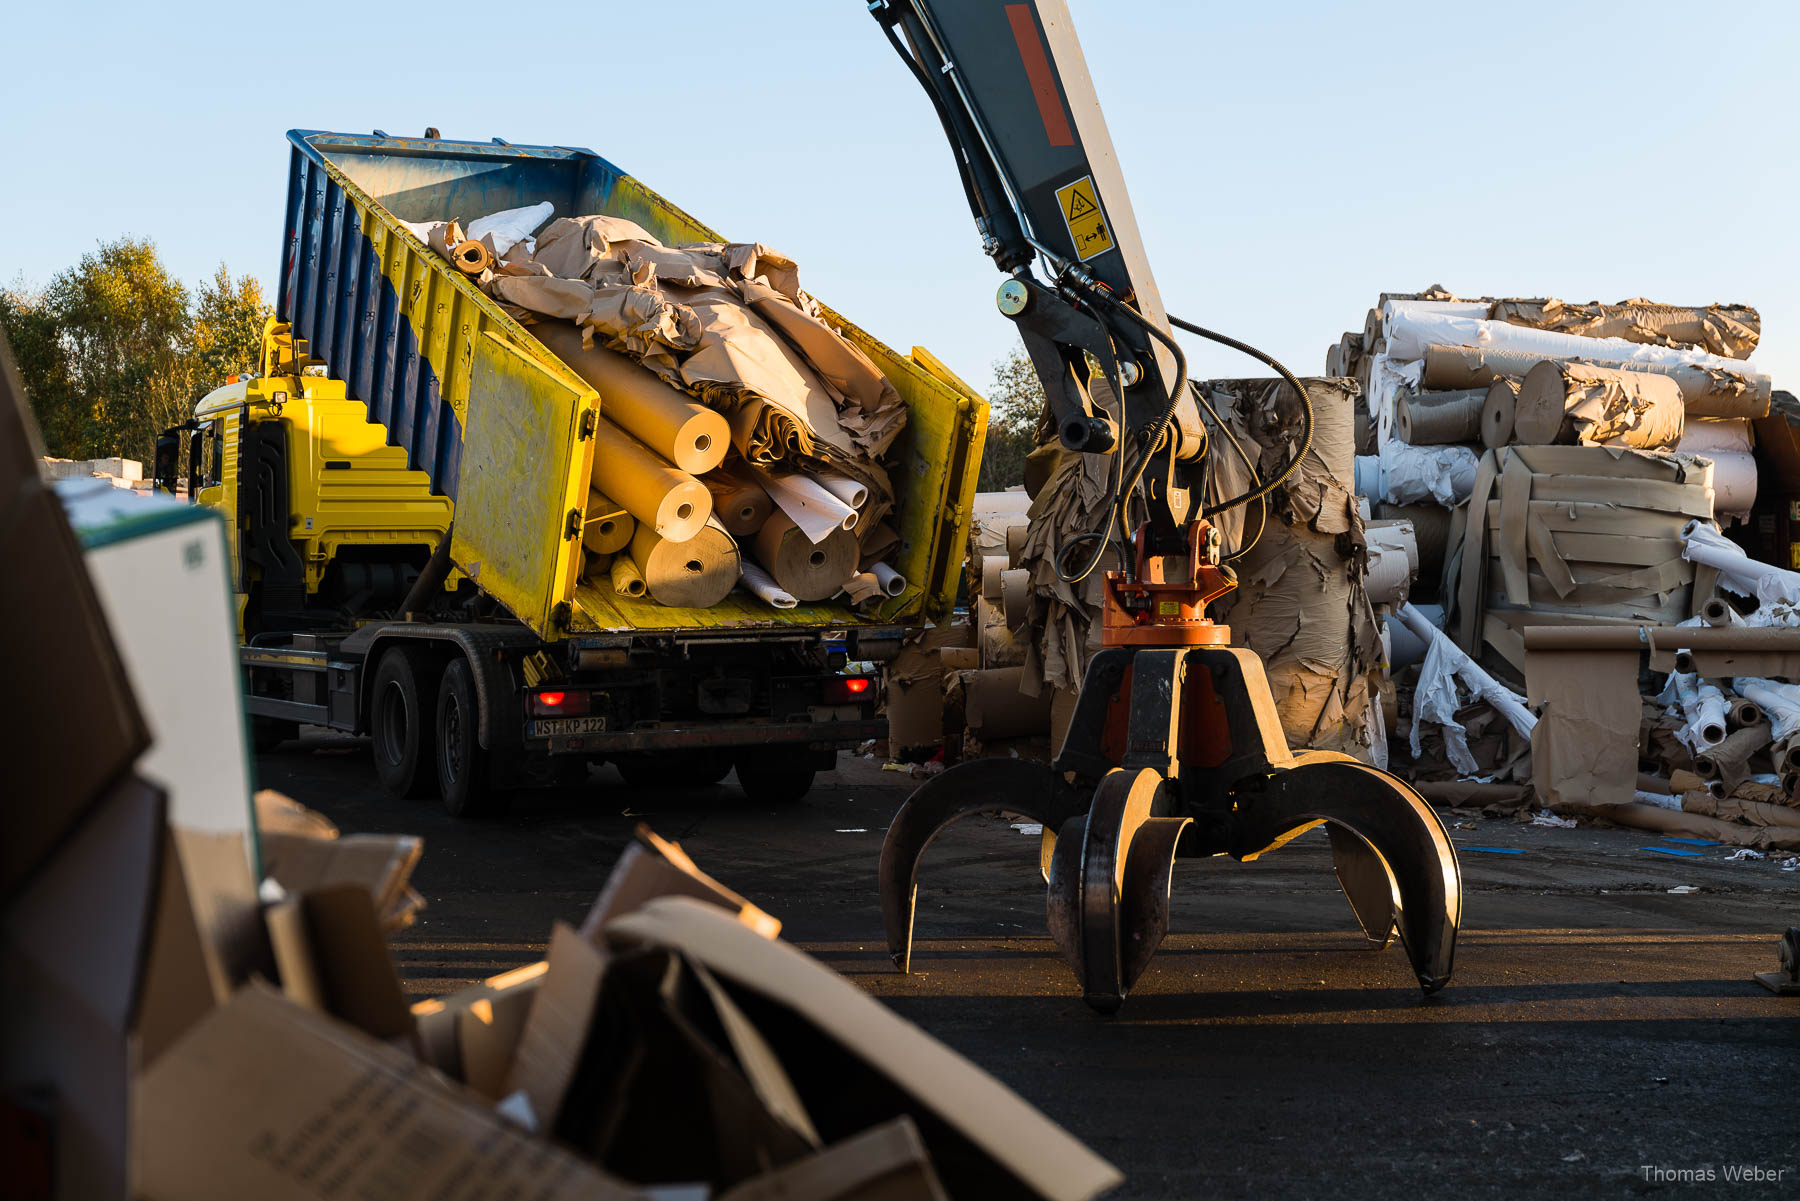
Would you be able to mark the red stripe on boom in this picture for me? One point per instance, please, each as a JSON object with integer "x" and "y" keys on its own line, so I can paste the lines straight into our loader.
{"x": 1037, "y": 70}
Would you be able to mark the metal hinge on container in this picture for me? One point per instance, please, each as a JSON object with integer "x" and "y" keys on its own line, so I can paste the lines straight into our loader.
{"x": 572, "y": 527}
{"x": 590, "y": 421}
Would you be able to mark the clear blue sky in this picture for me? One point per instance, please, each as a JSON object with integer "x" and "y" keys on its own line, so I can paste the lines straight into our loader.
{"x": 1287, "y": 161}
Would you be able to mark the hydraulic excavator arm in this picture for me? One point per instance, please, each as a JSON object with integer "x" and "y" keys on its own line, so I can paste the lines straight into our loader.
{"x": 1175, "y": 747}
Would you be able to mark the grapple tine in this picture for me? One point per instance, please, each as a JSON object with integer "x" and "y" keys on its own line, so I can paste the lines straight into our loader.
{"x": 1367, "y": 881}
{"x": 1144, "y": 901}
{"x": 1123, "y": 802}
{"x": 978, "y": 786}
{"x": 1398, "y": 826}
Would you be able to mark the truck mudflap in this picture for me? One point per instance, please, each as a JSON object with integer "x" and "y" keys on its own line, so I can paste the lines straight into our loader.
{"x": 815, "y": 735}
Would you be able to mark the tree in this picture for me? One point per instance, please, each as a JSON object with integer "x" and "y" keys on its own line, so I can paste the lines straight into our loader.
{"x": 115, "y": 350}
{"x": 37, "y": 348}
{"x": 226, "y": 335}
{"x": 1016, "y": 404}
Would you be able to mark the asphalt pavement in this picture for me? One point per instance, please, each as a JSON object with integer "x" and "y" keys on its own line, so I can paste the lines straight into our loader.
{"x": 1601, "y": 1030}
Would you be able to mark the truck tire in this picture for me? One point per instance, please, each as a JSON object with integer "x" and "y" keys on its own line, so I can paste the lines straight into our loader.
{"x": 464, "y": 767}
{"x": 402, "y": 702}
{"x": 771, "y": 777}
{"x": 674, "y": 769}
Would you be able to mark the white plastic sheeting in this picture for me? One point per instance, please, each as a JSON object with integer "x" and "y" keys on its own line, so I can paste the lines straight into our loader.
{"x": 511, "y": 226}
{"x": 1409, "y": 333}
{"x": 1444, "y": 475}
{"x": 1435, "y": 699}
{"x": 1781, "y": 702}
{"x": 1769, "y": 584}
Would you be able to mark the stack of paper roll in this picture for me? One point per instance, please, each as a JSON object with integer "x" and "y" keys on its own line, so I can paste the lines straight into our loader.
{"x": 666, "y": 508}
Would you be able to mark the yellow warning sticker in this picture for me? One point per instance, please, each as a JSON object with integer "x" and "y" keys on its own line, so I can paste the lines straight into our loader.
{"x": 1080, "y": 206}
{"x": 1168, "y": 609}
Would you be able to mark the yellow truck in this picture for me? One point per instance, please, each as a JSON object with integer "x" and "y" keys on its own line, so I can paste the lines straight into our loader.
{"x": 406, "y": 475}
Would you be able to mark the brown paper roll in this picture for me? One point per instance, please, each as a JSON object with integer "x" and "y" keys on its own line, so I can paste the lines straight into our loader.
{"x": 812, "y": 572}
{"x": 471, "y": 257}
{"x": 991, "y": 568}
{"x": 608, "y": 526}
{"x": 664, "y": 418}
{"x": 627, "y": 580}
{"x": 668, "y": 502}
{"x": 739, "y": 503}
{"x": 998, "y": 647}
{"x": 1439, "y": 418}
{"x": 597, "y": 567}
{"x": 696, "y": 573}
{"x": 1564, "y": 402}
{"x": 1015, "y": 544}
{"x": 1499, "y": 410}
{"x": 1015, "y": 596}
{"x": 1704, "y": 392}
{"x": 1431, "y": 531}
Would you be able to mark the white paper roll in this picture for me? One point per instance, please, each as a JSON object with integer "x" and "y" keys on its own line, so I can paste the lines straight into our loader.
{"x": 846, "y": 490}
{"x": 1704, "y": 434}
{"x": 1389, "y": 576}
{"x": 891, "y": 581}
{"x": 806, "y": 502}
{"x": 1734, "y": 481}
{"x": 763, "y": 586}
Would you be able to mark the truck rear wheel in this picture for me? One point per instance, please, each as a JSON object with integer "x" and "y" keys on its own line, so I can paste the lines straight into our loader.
{"x": 403, "y": 699}
{"x": 770, "y": 775}
{"x": 464, "y": 767}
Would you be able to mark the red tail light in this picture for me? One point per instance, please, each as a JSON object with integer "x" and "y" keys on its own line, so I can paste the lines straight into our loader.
{"x": 850, "y": 688}
{"x": 558, "y": 703}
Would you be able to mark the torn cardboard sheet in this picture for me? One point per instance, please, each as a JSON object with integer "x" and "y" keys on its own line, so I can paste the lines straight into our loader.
{"x": 1585, "y": 743}
{"x": 264, "y": 1099}
{"x": 1722, "y": 329}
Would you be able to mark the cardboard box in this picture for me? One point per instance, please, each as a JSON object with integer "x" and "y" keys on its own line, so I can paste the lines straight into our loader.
{"x": 856, "y": 1065}
{"x": 381, "y": 863}
{"x": 333, "y": 957}
{"x": 473, "y": 1035}
{"x": 103, "y": 970}
{"x": 887, "y": 1163}
{"x": 557, "y": 1027}
{"x": 267, "y": 1100}
{"x": 655, "y": 867}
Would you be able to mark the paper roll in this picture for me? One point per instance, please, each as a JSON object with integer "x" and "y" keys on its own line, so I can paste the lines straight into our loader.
{"x": 607, "y": 527}
{"x": 1015, "y": 596}
{"x": 596, "y": 568}
{"x": 812, "y": 509}
{"x": 1439, "y": 418}
{"x": 763, "y": 586}
{"x": 1702, "y": 435}
{"x": 992, "y": 567}
{"x": 627, "y": 580}
{"x": 1389, "y": 573}
{"x": 1734, "y": 481}
{"x": 739, "y": 503}
{"x": 845, "y": 489}
{"x": 662, "y": 417}
{"x": 666, "y": 501}
{"x": 891, "y": 581}
{"x": 812, "y": 571}
{"x": 1498, "y": 412}
{"x": 1015, "y": 544}
{"x": 696, "y": 573}
{"x": 471, "y": 257}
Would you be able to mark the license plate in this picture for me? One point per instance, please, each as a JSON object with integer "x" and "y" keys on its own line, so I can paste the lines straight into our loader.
{"x": 563, "y": 727}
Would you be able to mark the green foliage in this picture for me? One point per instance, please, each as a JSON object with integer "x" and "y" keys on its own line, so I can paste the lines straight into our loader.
{"x": 115, "y": 349}
{"x": 1016, "y": 401}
